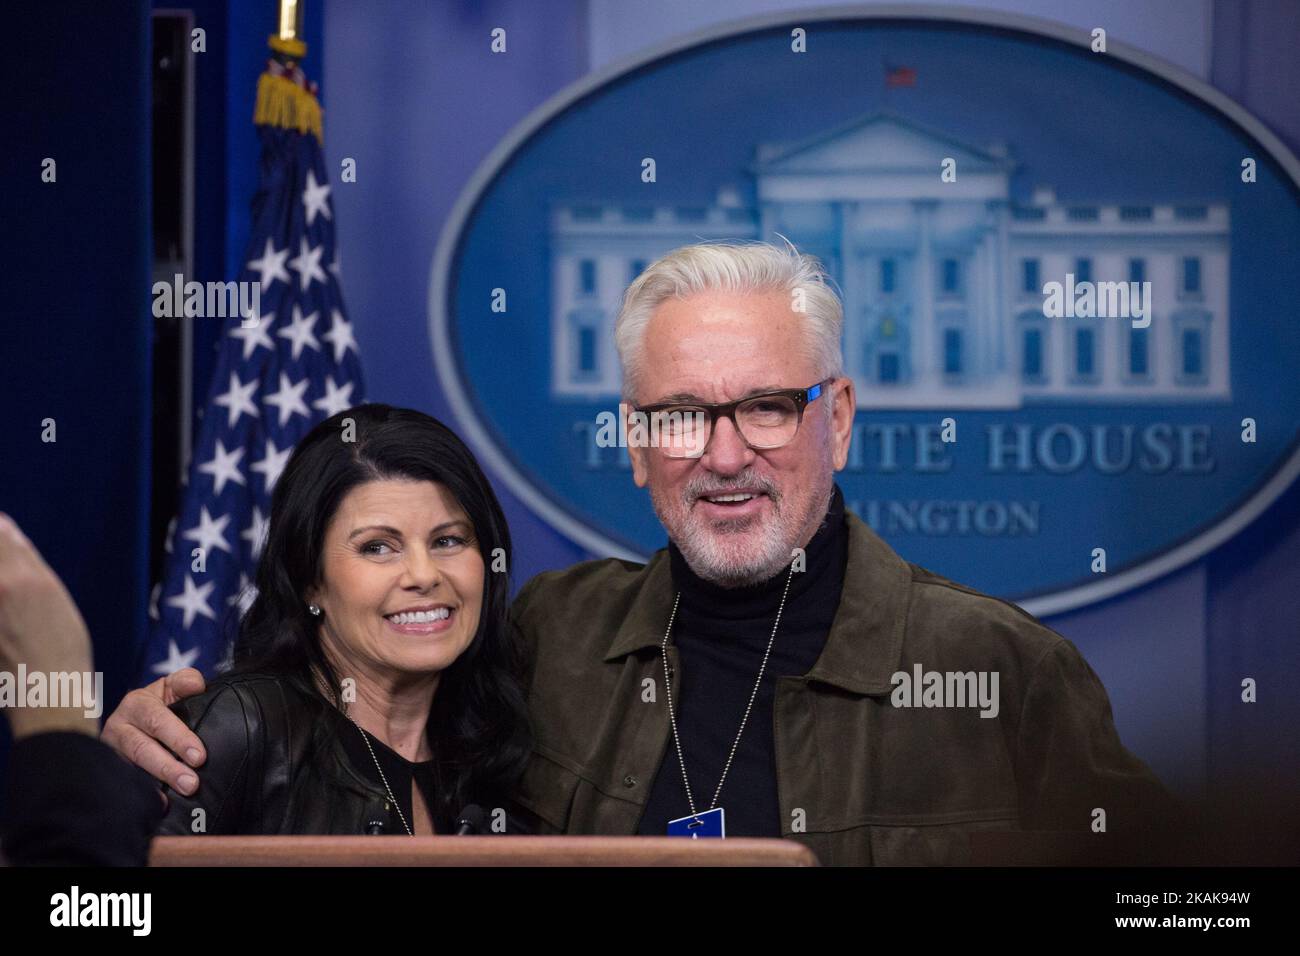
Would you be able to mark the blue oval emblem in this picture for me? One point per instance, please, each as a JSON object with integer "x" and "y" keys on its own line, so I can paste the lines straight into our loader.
{"x": 1080, "y": 265}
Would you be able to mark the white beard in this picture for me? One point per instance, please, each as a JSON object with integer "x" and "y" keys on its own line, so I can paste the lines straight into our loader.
{"x": 736, "y": 554}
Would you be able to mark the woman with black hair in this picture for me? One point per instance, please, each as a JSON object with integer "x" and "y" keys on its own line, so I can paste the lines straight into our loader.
{"x": 377, "y": 685}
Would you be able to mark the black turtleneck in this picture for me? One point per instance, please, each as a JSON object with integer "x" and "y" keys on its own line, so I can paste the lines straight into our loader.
{"x": 720, "y": 635}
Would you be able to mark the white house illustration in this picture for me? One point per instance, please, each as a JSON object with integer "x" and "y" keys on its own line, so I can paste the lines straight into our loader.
{"x": 942, "y": 281}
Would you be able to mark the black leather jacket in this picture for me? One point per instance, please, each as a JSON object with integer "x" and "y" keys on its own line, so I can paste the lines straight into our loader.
{"x": 276, "y": 765}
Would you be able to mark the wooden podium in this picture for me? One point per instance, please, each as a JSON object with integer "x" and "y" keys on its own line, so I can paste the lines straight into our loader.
{"x": 473, "y": 851}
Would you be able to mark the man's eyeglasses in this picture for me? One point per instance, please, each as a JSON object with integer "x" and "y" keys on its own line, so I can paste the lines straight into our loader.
{"x": 764, "y": 421}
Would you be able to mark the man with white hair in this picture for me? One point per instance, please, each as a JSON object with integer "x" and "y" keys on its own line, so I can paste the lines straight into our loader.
{"x": 755, "y": 677}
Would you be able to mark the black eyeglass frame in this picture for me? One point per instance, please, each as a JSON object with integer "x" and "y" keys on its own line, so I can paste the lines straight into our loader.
{"x": 802, "y": 398}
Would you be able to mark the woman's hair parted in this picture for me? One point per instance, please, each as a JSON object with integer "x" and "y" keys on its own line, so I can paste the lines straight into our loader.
{"x": 478, "y": 724}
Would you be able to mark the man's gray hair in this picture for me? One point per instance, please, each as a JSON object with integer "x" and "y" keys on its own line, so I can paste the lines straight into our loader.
{"x": 750, "y": 267}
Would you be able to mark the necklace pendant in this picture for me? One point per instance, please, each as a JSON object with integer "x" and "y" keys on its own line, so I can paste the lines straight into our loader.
{"x": 698, "y": 826}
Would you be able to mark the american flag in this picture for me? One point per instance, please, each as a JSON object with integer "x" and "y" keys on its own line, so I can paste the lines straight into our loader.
{"x": 277, "y": 375}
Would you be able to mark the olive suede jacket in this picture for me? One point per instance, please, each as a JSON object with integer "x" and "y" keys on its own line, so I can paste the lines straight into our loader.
{"x": 860, "y": 781}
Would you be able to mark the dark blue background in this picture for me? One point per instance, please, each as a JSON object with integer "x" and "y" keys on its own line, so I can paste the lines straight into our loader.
{"x": 76, "y": 329}
{"x": 687, "y": 111}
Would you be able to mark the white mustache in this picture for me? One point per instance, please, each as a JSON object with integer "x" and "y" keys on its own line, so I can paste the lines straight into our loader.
{"x": 745, "y": 481}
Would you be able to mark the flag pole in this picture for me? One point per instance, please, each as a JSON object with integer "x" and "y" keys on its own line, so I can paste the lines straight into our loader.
{"x": 284, "y": 98}
{"x": 290, "y": 34}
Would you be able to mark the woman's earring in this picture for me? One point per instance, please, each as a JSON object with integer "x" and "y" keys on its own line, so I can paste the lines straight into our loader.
{"x": 315, "y": 611}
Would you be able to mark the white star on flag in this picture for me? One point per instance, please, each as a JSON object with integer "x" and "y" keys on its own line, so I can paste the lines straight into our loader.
{"x": 275, "y": 374}
{"x": 340, "y": 336}
{"x": 238, "y": 400}
{"x": 210, "y": 533}
{"x": 224, "y": 466}
{"x": 255, "y": 335}
{"x": 175, "y": 660}
{"x": 315, "y": 198}
{"x": 193, "y": 601}
{"x": 335, "y": 399}
{"x": 289, "y": 399}
{"x": 273, "y": 464}
{"x": 255, "y": 533}
{"x": 271, "y": 266}
{"x": 307, "y": 264}
{"x": 300, "y": 332}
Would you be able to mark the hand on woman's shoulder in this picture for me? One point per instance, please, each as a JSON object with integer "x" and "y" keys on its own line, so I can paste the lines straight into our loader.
{"x": 228, "y": 693}
{"x": 235, "y": 717}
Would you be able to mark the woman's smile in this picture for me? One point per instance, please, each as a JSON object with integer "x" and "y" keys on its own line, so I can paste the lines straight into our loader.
{"x": 422, "y": 619}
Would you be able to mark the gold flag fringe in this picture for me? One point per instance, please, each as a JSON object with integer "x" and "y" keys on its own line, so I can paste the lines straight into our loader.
{"x": 284, "y": 104}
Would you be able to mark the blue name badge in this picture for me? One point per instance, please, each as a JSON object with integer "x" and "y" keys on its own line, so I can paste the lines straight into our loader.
{"x": 710, "y": 823}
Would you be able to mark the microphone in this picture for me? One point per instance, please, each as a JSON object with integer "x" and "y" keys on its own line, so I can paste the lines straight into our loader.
{"x": 471, "y": 820}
